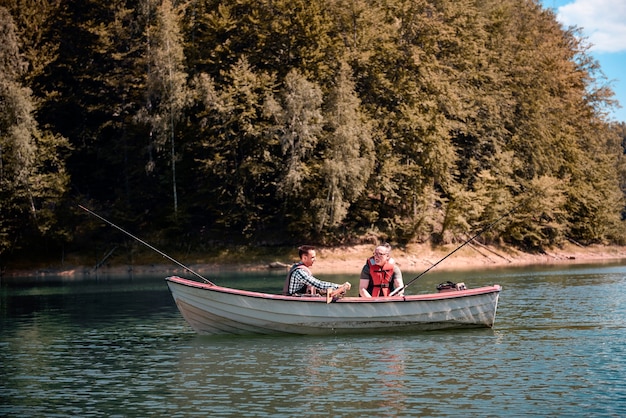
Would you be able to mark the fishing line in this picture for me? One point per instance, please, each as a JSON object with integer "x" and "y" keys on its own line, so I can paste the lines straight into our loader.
{"x": 396, "y": 291}
{"x": 146, "y": 244}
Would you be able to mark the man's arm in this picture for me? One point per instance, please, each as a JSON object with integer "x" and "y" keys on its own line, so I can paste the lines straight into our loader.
{"x": 398, "y": 282}
{"x": 364, "y": 281}
{"x": 318, "y": 284}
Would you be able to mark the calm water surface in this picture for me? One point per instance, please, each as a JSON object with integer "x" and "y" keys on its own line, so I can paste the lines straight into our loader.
{"x": 118, "y": 347}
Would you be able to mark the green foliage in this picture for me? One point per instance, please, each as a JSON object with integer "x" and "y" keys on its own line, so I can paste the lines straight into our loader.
{"x": 284, "y": 121}
{"x": 33, "y": 179}
{"x": 237, "y": 149}
{"x": 348, "y": 158}
{"x": 166, "y": 81}
{"x": 540, "y": 220}
{"x": 301, "y": 124}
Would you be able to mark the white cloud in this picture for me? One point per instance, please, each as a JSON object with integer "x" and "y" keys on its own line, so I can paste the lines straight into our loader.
{"x": 603, "y": 22}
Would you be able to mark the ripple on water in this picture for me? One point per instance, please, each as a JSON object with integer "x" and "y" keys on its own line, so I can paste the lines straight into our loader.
{"x": 557, "y": 349}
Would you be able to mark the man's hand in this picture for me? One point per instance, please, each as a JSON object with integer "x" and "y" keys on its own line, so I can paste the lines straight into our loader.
{"x": 340, "y": 291}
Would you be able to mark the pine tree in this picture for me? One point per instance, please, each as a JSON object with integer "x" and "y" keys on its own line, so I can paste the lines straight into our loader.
{"x": 166, "y": 82}
{"x": 33, "y": 179}
{"x": 348, "y": 153}
{"x": 237, "y": 150}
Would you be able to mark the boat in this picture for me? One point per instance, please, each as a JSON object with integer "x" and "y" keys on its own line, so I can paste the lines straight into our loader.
{"x": 215, "y": 310}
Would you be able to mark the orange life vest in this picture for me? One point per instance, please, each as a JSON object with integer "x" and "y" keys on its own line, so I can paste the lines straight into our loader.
{"x": 380, "y": 281}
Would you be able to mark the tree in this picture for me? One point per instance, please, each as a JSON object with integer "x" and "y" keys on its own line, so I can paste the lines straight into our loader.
{"x": 404, "y": 120}
{"x": 166, "y": 82}
{"x": 348, "y": 156}
{"x": 237, "y": 150}
{"x": 33, "y": 179}
{"x": 301, "y": 123}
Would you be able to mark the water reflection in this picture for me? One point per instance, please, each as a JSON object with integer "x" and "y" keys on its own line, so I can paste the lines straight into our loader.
{"x": 121, "y": 348}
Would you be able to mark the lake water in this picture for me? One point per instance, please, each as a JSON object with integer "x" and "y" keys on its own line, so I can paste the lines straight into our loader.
{"x": 117, "y": 347}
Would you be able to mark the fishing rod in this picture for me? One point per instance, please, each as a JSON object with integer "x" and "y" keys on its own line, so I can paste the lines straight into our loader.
{"x": 146, "y": 244}
{"x": 396, "y": 291}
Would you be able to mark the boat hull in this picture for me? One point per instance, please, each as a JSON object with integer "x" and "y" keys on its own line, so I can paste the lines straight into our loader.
{"x": 213, "y": 310}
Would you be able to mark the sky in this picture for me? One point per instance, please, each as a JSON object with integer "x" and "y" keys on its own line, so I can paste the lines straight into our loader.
{"x": 603, "y": 23}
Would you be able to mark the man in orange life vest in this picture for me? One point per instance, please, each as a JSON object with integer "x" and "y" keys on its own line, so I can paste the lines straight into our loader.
{"x": 300, "y": 280}
{"x": 380, "y": 274}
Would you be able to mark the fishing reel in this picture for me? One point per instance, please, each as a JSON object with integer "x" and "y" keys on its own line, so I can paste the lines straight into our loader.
{"x": 450, "y": 286}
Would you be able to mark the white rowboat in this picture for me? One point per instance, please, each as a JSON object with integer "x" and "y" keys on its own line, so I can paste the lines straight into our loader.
{"x": 211, "y": 309}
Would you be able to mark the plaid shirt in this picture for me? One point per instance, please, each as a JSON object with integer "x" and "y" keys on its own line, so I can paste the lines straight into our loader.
{"x": 301, "y": 277}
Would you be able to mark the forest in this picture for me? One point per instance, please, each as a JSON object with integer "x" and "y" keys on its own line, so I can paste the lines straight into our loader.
{"x": 202, "y": 124}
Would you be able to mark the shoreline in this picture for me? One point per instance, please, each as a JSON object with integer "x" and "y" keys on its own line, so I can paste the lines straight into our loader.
{"x": 350, "y": 260}
{"x": 417, "y": 258}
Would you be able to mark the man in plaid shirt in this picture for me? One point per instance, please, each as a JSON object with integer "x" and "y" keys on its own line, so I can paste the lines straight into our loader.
{"x": 300, "y": 280}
